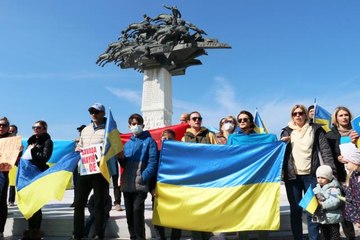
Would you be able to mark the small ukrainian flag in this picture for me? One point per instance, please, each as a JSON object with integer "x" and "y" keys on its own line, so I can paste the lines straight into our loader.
{"x": 322, "y": 117}
{"x": 259, "y": 124}
{"x": 309, "y": 201}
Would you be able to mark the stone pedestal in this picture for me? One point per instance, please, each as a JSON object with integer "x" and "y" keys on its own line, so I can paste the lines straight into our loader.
{"x": 156, "y": 104}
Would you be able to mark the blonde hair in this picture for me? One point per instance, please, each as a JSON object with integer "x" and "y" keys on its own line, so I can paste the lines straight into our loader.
{"x": 335, "y": 113}
{"x": 223, "y": 120}
{"x": 348, "y": 176}
{"x": 302, "y": 107}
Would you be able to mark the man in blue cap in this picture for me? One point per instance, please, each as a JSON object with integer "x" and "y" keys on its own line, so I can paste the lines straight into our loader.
{"x": 90, "y": 178}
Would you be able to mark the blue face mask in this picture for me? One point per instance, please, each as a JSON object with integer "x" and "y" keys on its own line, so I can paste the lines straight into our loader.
{"x": 136, "y": 129}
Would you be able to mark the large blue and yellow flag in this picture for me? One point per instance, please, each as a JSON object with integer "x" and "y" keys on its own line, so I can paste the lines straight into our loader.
{"x": 219, "y": 188}
{"x": 309, "y": 202}
{"x": 61, "y": 148}
{"x": 259, "y": 124}
{"x": 323, "y": 117}
{"x": 112, "y": 146}
{"x": 252, "y": 138}
{"x": 36, "y": 188}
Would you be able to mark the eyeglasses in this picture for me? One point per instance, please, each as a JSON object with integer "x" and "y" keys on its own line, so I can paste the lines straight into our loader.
{"x": 243, "y": 120}
{"x": 94, "y": 112}
{"x": 4, "y": 125}
{"x": 298, "y": 113}
{"x": 196, "y": 118}
{"x": 36, "y": 127}
{"x": 228, "y": 121}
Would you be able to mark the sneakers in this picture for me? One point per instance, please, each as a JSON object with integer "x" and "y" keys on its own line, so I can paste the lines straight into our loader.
{"x": 97, "y": 237}
{"x": 11, "y": 204}
{"x": 118, "y": 207}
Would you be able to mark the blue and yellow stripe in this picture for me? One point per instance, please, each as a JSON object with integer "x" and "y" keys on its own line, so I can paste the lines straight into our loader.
{"x": 219, "y": 188}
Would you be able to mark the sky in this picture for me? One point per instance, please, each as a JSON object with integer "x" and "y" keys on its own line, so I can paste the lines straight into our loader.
{"x": 283, "y": 53}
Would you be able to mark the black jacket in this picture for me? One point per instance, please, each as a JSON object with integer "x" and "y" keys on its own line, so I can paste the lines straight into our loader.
{"x": 320, "y": 145}
{"x": 333, "y": 138}
{"x": 42, "y": 150}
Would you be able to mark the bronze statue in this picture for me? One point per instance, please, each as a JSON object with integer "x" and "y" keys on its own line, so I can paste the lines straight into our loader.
{"x": 166, "y": 41}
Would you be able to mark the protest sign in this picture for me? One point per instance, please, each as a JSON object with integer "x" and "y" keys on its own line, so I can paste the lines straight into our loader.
{"x": 9, "y": 152}
{"x": 90, "y": 159}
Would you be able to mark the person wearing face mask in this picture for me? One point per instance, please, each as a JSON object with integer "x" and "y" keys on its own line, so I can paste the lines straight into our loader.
{"x": 140, "y": 166}
{"x": 226, "y": 127}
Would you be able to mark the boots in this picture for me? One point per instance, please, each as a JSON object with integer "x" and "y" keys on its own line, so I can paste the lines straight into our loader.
{"x": 25, "y": 235}
{"x": 34, "y": 234}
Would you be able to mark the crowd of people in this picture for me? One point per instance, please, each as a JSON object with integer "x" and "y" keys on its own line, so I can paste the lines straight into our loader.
{"x": 313, "y": 158}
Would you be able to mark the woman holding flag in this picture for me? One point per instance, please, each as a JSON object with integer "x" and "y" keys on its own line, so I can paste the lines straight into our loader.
{"x": 40, "y": 146}
{"x": 306, "y": 148}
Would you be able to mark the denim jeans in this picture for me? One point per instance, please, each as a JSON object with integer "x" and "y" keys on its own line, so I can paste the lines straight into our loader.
{"x": 295, "y": 190}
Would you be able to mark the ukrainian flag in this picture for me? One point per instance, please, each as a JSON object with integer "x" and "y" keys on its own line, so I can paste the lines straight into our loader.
{"x": 322, "y": 117}
{"x": 259, "y": 124}
{"x": 219, "y": 188}
{"x": 112, "y": 146}
{"x": 36, "y": 188}
{"x": 252, "y": 138}
{"x": 60, "y": 148}
{"x": 309, "y": 201}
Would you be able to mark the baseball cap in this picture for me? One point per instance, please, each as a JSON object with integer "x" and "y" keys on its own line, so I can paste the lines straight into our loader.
{"x": 97, "y": 106}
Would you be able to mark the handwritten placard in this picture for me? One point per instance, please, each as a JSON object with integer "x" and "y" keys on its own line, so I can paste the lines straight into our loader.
{"x": 90, "y": 159}
{"x": 9, "y": 152}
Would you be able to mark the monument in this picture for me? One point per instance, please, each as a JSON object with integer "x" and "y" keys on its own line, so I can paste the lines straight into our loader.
{"x": 159, "y": 47}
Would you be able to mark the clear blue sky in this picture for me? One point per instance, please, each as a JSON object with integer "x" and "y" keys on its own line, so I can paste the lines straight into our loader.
{"x": 283, "y": 52}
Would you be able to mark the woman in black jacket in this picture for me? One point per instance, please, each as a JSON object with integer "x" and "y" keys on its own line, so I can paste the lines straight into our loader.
{"x": 306, "y": 149}
{"x": 41, "y": 148}
{"x": 341, "y": 129}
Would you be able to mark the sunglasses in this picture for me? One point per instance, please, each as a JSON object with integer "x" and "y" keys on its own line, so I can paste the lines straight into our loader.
{"x": 297, "y": 113}
{"x": 4, "y": 125}
{"x": 243, "y": 120}
{"x": 94, "y": 112}
{"x": 36, "y": 127}
{"x": 228, "y": 121}
{"x": 196, "y": 118}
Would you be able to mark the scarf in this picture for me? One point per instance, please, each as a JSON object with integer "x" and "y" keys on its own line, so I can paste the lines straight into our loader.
{"x": 302, "y": 139}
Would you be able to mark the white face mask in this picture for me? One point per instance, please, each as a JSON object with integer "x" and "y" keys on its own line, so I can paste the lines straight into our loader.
{"x": 136, "y": 129}
{"x": 228, "y": 126}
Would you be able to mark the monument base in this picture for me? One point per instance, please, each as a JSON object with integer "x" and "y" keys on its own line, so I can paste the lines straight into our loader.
{"x": 156, "y": 104}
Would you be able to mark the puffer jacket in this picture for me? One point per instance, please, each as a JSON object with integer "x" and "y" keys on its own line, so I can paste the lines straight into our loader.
{"x": 42, "y": 150}
{"x": 333, "y": 138}
{"x": 330, "y": 212}
{"x": 139, "y": 163}
{"x": 320, "y": 145}
{"x": 352, "y": 205}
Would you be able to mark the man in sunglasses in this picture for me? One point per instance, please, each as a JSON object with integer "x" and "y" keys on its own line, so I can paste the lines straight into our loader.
{"x": 198, "y": 134}
{"x": 92, "y": 135}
